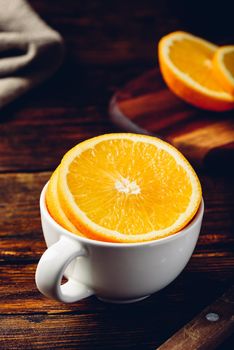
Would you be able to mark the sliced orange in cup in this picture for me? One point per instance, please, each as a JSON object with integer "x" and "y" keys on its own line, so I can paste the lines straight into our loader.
{"x": 54, "y": 207}
{"x": 224, "y": 67}
{"x": 186, "y": 63}
{"x": 127, "y": 188}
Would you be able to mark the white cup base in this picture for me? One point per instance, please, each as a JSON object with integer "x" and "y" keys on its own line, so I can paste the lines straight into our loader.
{"x": 124, "y": 301}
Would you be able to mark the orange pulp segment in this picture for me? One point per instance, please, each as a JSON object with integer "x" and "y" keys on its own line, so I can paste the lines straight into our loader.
{"x": 186, "y": 65}
{"x": 127, "y": 188}
{"x": 224, "y": 67}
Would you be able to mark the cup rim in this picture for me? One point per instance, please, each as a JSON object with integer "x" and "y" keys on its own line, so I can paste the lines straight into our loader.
{"x": 86, "y": 240}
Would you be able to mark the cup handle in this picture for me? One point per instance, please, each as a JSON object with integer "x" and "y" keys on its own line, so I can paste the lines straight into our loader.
{"x": 51, "y": 267}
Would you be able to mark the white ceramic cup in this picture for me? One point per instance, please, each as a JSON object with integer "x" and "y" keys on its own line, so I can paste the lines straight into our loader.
{"x": 114, "y": 272}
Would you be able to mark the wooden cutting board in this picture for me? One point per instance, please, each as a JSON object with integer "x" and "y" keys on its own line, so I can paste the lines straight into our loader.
{"x": 208, "y": 329}
{"x": 146, "y": 105}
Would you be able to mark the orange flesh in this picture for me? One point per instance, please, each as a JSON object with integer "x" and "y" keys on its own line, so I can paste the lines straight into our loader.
{"x": 130, "y": 187}
{"x": 228, "y": 61}
{"x": 195, "y": 60}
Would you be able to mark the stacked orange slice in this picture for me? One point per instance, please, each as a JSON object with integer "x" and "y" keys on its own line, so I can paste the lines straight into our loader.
{"x": 123, "y": 188}
{"x": 224, "y": 67}
{"x": 198, "y": 71}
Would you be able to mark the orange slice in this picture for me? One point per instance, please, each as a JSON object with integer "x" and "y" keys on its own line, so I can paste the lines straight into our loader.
{"x": 127, "y": 188}
{"x": 186, "y": 65}
{"x": 224, "y": 67}
{"x": 54, "y": 207}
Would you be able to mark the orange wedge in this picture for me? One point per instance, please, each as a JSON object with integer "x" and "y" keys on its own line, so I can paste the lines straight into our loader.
{"x": 54, "y": 207}
{"x": 127, "y": 188}
{"x": 186, "y": 65}
{"x": 224, "y": 67}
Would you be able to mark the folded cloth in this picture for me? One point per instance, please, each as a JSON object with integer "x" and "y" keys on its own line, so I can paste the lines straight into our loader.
{"x": 30, "y": 51}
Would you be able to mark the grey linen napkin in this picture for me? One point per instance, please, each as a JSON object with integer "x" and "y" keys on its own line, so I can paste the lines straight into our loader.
{"x": 30, "y": 51}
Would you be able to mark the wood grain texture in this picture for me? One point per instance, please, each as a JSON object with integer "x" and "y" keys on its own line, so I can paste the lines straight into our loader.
{"x": 99, "y": 32}
{"x": 107, "y": 44}
{"x": 146, "y": 105}
{"x": 142, "y": 326}
{"x": 79, "y": 331}
{"x": 37, "y": 139}
{"x": 208, "y": 329}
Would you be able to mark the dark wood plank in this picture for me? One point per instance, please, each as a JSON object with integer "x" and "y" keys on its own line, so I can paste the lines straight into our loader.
{"x": 19, "y": 294}
{"x": 152, "y": 18}
{"x": 65, "y": 115}
{"x": 102, "y": 33}
{"x": 20, "y": 204}
{"x": 143, "y": 326}
{"x": 208, "y": 329}
{"x": 38, "y": 139}
{"x": 121, "y": 329}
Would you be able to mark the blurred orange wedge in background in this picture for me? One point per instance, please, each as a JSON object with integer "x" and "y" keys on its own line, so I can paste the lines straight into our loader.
{"x": 127, "y": 188}
{"x": 186, "y": 63}
{"x": 224, "y": 67}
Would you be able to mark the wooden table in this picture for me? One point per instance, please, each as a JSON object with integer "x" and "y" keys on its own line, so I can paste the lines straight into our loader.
{"x": 108, "y": 43}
